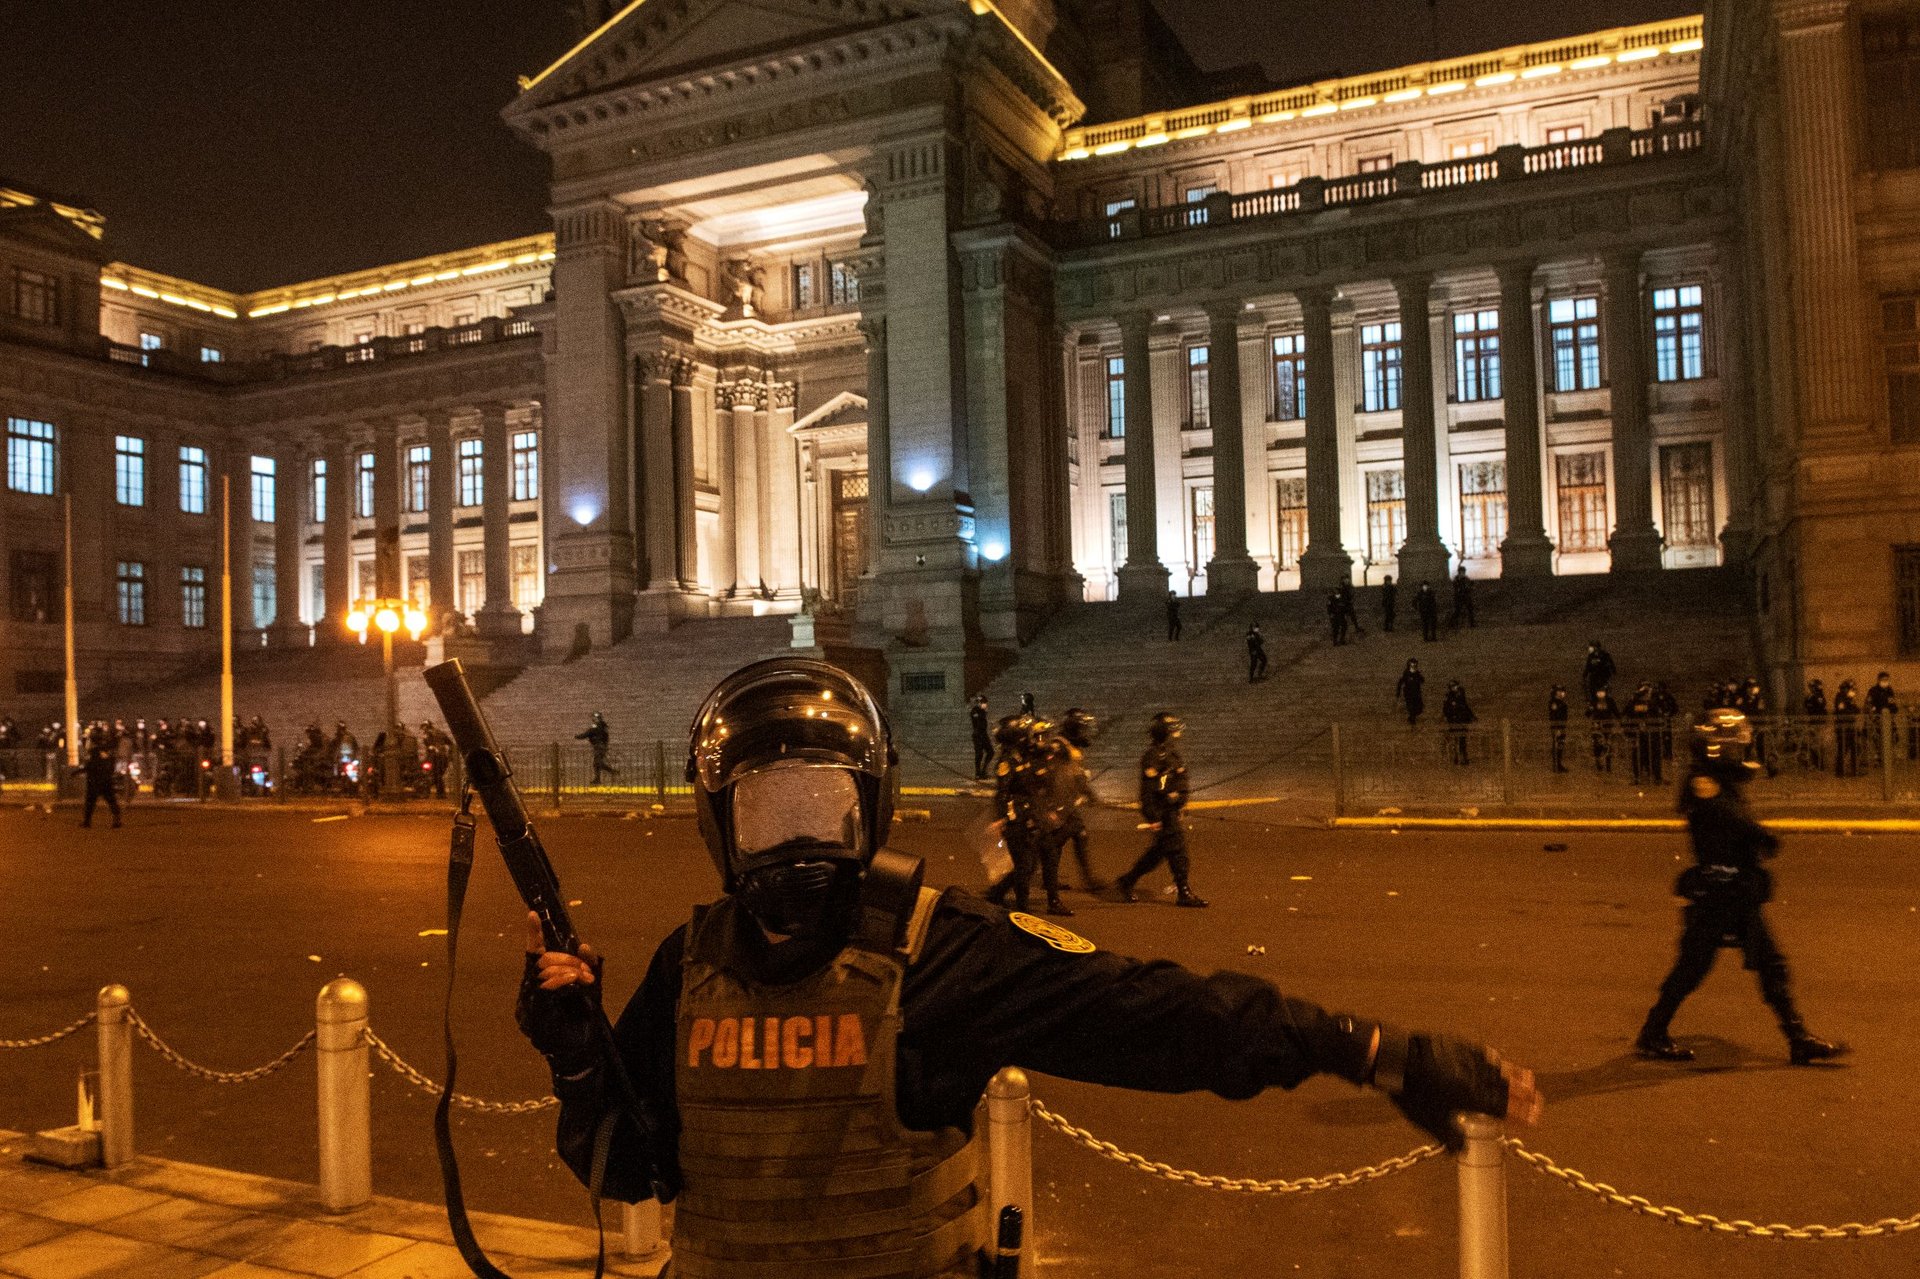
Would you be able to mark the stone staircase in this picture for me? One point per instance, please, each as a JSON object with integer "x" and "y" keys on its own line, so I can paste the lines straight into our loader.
{"x": 1686, "y": 627}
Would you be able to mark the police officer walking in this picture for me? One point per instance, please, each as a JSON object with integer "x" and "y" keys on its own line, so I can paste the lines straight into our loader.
{"x": 98, "y": 767}
{"x": 1071, "y": 780}
{"x": 1256, "y": 653}
{"x": 1173, "y": 616}
{"x": 1726, "y": 889}
{"x": 1345, "y": 592}
{"x": 1602, "y": 717}
{"x": 1459, "y": 717}
{"x": 1846, "y": 731}
{"x": 1597, "y": 673}
{"x": 887, "y": 1007}
{"x": 1814, "y": 708}
{"x": 1163, "y": 796}
{"x": 1462, "y": 598}
{"x": 1016, "y": 800}
{"x": 1408, "y": 692}
{"x": 1644, "y": 735}
{"x": 1336, "y": 617}
{"x": 982, "y": 737}
{"x": 1388, "y": 595}
{"x": 597, "y": 736}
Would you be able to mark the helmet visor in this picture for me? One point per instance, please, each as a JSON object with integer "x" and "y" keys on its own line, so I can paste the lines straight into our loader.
{"x": 795, "y": 803}
{"x": 819, "y": 716}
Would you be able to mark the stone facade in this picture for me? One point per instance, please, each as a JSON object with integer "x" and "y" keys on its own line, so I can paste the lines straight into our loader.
{"x": 845, "y": 309}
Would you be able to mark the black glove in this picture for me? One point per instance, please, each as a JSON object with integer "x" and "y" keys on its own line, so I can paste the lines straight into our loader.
{"x": 1437, "y": 1077}
{"x": 560, "y": 1023}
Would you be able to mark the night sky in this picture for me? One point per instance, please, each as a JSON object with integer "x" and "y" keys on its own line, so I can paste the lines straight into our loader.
{"x": 248, "y": 143}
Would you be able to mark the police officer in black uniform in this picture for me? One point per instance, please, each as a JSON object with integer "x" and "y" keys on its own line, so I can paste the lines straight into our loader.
{"x": 1725, "y": 890}
{"x": 1557, "y": 712}
{"x": 1163, "y": 797}
{"x": 982, "y": 736}
{"x": 1016, "y": 800}
{"x": 888, "y": 1007}
{"x": 1072, "y": 781}
{"x": 97, "y": 765}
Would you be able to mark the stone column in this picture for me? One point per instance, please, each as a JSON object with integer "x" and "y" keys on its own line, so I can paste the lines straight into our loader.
{"x": 1831, "y": 333}
{"x": 1526, "y": 552}
{"x": 498, "y": 619}
{"x": 1423, "y": 556}
{"x": 1635, "y": 542}
{"x": 1143, "y": 576}
{"x": 879, "y": 446}
{"x": 747, "y": 398}
{"x": 386, "y": 509}
{"x": 653, "y": 389}
{"x": 783, "y": 494}
{"x": 288, "y": 520}
{"x": 686, "y": 539}
{"x": 440, "y": 466}
{"x": 1738, "y": 423}
{"x": 1232, "y": 571}
{"x": 587, "y": 433}
{"x": 337, "y": 538}
{"x": 1325, "y": 563}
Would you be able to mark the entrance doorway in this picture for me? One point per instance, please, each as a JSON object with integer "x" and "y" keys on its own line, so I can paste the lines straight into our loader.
{"x": 849, "y": 531}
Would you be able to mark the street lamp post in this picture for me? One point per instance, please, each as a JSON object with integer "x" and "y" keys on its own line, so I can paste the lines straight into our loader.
{"x": 388, "y": 616}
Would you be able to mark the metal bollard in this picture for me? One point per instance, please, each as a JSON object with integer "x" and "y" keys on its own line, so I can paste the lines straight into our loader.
{"x": 1483, "y": 1199}
{"x": 346, "y": 1114}
{"x": 640, "y": 1227}
{"x": 116, "y": 1075}
{"x": 1010, "y": 1154}
{"x": 553, "y": 768}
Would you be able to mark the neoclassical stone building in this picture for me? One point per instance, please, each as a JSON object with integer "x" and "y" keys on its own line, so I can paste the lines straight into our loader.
{"x": 928, "y": 317}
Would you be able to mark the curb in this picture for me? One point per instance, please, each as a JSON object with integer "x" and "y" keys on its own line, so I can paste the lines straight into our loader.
{"x": 1645, "y": 825}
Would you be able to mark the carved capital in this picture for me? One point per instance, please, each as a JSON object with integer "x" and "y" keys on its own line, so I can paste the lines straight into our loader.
{"x": 596, "y": 224}
{"x": 781, "y": 395}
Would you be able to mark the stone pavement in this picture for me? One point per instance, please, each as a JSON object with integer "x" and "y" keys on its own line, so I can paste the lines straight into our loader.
{"x": 159, "y": 1219}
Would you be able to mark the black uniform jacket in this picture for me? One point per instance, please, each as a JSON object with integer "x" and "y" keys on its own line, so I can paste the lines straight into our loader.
{"x": 984, "y": 994}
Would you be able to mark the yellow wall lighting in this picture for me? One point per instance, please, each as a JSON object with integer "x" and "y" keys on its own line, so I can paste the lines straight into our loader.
{"x": 1323, "y": 108}
{"x": 1589, "y": 63}
{"x": 1355, "y": 104}
{"x": 1151, "y": 140}
{"x": 1687, "y": 46}
{"x": 1112, "y": 148}
{"x": 1498, "y": 77}
{"x": 1540, "y": 73}
{"x": 1234, "y": 126}
{"x": 1402, "y": 95}
{"x": 1452, "y": 86}
{"x": 1636, "y": 55}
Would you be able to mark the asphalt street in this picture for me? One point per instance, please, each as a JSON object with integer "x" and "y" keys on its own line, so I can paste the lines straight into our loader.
{"x": 225, "y": 925}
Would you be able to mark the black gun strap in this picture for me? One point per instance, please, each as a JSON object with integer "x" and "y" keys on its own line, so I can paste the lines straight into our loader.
{"x": 459, "y": 870}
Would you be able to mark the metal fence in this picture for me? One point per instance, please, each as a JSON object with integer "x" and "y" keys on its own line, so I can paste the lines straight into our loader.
{"x": 1856, "y": 761}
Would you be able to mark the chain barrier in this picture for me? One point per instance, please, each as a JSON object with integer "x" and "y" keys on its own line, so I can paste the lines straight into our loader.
{"x": 55, "y": 1037}
{"x": 412, "y": 1075}
{"x": 207, "y": 1073}
{"x": 1241, "y": 1185}
{"x": 1706, "y": 1220}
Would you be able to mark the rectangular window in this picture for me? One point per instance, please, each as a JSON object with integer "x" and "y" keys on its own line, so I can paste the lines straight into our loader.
{"x": 1686, "y": 491}
{"x": 1197, "y": 203}
{"x": 150, "y": 342}
{"x": 419, "y": 591}
{"x": 1199, "y": 414}
{"x": 1117, "y": 527}
{"x": 843, "y": 284}
{"x": 1202, "y": 526}
{"x": 1386, "y": 514}
{"x": 129, "y": 470}
{"x": 526, "y": 466}
{"x": 1291, "y": 501}
{"x": 33, "y": 586}
{"x": 1374, "y": 163}
{"x": 1483, "y": 509}
{"x": 1900, "y": 344}
{"x": 366, "y": 579}
{"x": 1573, "y": 328}
{"x": 1380, "y": 366}
{"x": 806, "y": 286}
{"x": 130, "y": 593}
{"x": 470, "y": 477}
{"x": 1679, "y": 334}
{"x": 30, "y": 451}
{"x": 1282, "y": 179}
{"x": 1115, "y": 228}
{"x": 265, "y": 600}
{"x": 263, "y": 495}
{"x": 316, "y": 591}
{"x": 363, "y": 486}
{"x": 317, "y": 490}
{"x": 1116, "y": 398}
{"x": 1890, "y": 49}
{"x": 1466, "y": 148}
{"x": 471, "y": 572}
{"x": 1476, "y": 355}
{"x": 193, "y": 597}
{"x": 211, "y": 355}
{"x": 1290, "y": 377}
{"x": 1906, "y": 589}
{"x": 1565, "y": 133}
{"x": 36, "y": 296}
{"x": 193, "y": 480}
{"x": 1580, "y": 480}
{"x": 526, "y": 577}
{"x": 419, "y": 465}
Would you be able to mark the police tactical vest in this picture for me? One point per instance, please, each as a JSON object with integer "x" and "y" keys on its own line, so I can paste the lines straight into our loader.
{"x": 795, "y": 1161}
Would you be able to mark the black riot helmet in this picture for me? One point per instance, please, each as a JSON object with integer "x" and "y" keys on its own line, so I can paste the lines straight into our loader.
{"x": 1078, "y": 727}
{"x": 1164, "y": 726}
{"x": 794, "y": 777}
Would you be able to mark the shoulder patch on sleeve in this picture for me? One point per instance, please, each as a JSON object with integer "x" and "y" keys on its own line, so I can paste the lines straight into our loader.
{"x": 1050, "y": 933}
{"x": 1704, "y": 787}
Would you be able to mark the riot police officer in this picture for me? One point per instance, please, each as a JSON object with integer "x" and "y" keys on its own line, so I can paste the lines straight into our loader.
{"x": 1163, "y": 797}
{"x": 1016, "y": 800}
{"x": 888, "y": 1007}
{"x": 1557, "y": 712}
{"x": 1726, "y": 888}
{"x": 1073, "y": 784}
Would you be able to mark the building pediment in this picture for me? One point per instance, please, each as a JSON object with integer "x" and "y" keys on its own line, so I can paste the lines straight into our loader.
{"x": 661, "y": 39}
{"x": 843, "y": 411}
{"x": 39, "y": 225}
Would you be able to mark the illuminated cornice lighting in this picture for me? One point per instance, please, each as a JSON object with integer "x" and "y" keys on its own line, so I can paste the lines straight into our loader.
{"x": 1357, "y": 93}
{"x": 94, "y": 224}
